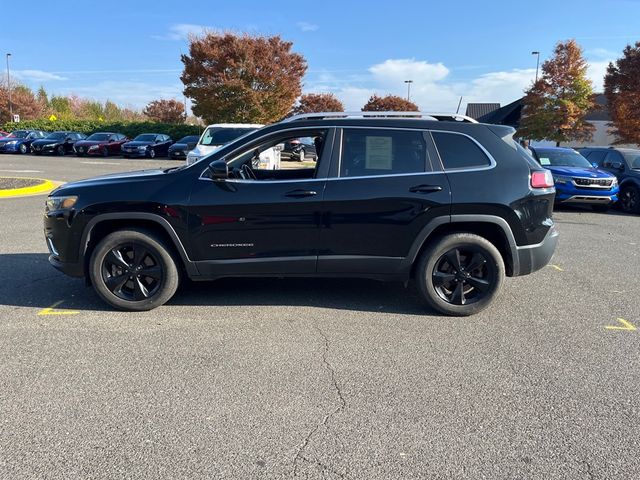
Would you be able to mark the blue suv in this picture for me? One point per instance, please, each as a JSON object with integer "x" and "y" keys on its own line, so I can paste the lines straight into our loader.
{"x": 576, "y": 180}
{"x": 624, "y": 163}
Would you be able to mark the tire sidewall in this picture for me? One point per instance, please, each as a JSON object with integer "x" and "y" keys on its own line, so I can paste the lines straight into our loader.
{"x": 432, "y": 255}
{"x": 632, "y": 189}
{"x": 23, "y": 148}
{"x": 170, "y": 280}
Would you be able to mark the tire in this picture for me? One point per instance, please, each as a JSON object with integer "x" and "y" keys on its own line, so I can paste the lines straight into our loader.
{"x": 105, "y": 152}
{"x": 629, "y": 199}
{"x": 80, "y": 154}
{"x": 60, "y": 150}
{"x": 23, "y": 149}
{"x": 301, "y": 154}
{"x": 455, "y": 292}
{"x": 121, "y": 283}
{"x": 600, "y": 208}
{"x": 152, "y": 153}
{"x": 126, "y": 156}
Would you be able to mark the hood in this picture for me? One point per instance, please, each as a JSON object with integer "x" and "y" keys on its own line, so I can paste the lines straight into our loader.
{"x": 202, "y": 150}
{"x": 109, "y": 179}
{"x": 89, "y": 143}
{"x": 9, "y": 139}
{"x": 579, "y": 172}
{"x": 182, "y": 146}
{"x": 46, "y": 141}
{"x": 137, "y": 143}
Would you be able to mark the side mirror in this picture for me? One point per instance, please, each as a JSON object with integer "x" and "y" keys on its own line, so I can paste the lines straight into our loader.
{"x": 218, "y": 170}
{"x": 111, "y": 140}
{"x": 617, "y": 166}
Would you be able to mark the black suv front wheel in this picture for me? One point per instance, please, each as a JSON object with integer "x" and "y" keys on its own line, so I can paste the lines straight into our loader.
{"x": 133, "y": 270}
{"x": 460, "y": 274}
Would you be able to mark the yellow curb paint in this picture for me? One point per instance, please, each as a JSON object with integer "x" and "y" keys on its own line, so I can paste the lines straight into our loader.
{"x": 45, "y": 187}
{"x": 53, "y": 311}
{"x": 556, "y": 267}
{"x": 627, "y": 325}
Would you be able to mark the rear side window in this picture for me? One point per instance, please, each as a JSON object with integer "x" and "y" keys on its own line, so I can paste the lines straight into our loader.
{"x": 382, "y": 152}
{"x": 459, "y": 151}
{"x": 612, "y": 156}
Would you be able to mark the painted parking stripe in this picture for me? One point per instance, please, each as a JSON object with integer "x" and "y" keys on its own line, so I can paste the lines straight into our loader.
{"x": 100, "y": 163}
{"x": 626, "y": 325}
{"x": 52, "y": 310}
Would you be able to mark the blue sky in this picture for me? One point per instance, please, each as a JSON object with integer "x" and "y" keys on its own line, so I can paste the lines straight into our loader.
{"x": 130, "y": 51}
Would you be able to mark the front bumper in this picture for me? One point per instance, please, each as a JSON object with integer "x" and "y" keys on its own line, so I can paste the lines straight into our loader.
{"x": 71, "y": 269}
{"x": 135, "y": 153}
{"x": 4, "y": 148}
{"x": 568, "y": 193}
{"x": 535, "y": 257}
{"x": 177, "y": 154}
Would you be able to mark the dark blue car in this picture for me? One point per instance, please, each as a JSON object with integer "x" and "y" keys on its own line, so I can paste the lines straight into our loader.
{"x": 19, "y": 141}
{"x": 576, "y": 180}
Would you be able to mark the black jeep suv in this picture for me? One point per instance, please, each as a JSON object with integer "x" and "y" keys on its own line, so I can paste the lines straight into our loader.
{"x": 445, "y": 201}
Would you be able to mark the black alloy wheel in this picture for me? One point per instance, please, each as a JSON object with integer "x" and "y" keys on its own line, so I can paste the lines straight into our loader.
{"x": 630, "y": 199}
{"x": 152, "y": 153}
{"x": 60, "y": 150}
{"x": 132, "y": 272}
{"x": 463, "y": 276}
{"x": 105, "y": 151}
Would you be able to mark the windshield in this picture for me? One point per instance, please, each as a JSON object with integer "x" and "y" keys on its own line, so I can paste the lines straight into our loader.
{"x": 145, "y": 137}
{"x": 18, "y": 134}
{"x": 99, "y": 137}
{"x": 220, "y": 136}
{"x": 633, "y": 159}
{"x": 561, "y": 158}
{"x": 189, "y": 139}
{"x": 56, "y": 135}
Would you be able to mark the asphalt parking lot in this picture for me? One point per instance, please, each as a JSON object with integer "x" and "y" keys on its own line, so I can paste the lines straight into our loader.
{"x": 331, "y": 379}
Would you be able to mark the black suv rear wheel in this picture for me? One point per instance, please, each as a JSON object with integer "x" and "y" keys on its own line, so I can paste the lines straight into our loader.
{"x": 133, "y": 270}
{"x": 460, "y": 274}
{"x": 629, "y": 198}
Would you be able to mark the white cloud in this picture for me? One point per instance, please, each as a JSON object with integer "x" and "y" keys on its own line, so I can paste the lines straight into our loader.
{"x": 399, "y": 70}
{"x": 307, "y": 27}
{"x": 596, "y": 73}
{"x": 36, "y": 75}
{"x": 182, "y": 31}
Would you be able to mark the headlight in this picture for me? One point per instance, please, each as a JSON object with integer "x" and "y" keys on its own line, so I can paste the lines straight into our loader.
{"x": 561, "y": 180}
{"x": 142, "y": 148}
{"x": 93, "y": 147}
{"x": 60, "y": 203}
{"x": 614, "y": 183}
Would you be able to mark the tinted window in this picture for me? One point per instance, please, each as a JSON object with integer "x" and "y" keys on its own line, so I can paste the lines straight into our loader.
{"x": 611, "y": 157}
{"x": 459, "y": 151}
{"x": 633, "y": 158}
{"x": 145, "y": 137}
{"x": 382, "y": 152}
{"x": 56, "y": 136}
{"x": 595, "y": 156}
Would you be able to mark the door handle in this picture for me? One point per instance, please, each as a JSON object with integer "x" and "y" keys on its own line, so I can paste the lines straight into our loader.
{"x": 300, "y": 193}
{"x": 425, "y": 188}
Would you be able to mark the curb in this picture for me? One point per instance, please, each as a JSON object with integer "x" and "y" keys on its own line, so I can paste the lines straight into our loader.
{"x": 45, "y": 186}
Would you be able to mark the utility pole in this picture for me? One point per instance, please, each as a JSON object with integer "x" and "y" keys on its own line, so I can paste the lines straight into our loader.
{"x": 9, "y": 88}
{"x": 408, "y": 82}
{"x": 537, "y": 54}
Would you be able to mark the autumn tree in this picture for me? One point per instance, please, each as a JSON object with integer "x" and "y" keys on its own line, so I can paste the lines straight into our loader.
{"x": 622, "y": 89}
{"x": 554, "y": 107}
{"x": 242, "y": 78}
{"x": 390, "y": 103}
{"x": 165, "y": 111}
{"x": 23, "y": 102}
{"x": 318, "y": 102}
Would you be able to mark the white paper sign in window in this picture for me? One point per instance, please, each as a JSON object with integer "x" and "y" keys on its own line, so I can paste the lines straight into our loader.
{"x": 379, "y": 153}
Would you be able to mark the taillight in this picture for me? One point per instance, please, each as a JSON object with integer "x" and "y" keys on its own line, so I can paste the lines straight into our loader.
{"x": 541, "y": 179}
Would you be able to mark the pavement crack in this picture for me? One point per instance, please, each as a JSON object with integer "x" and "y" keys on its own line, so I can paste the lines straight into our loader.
{"x": 342, "y": 404}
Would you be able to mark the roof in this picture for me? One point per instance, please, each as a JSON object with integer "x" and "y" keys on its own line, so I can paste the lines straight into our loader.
{"x": 479, "y": 110}
{"x": 236, "y": 125}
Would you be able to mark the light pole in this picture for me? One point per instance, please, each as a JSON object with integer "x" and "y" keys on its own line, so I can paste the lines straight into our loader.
{"x": 537, "y": 54}
{"x": 408, "y": 82}
{"x": 9, "y": 88}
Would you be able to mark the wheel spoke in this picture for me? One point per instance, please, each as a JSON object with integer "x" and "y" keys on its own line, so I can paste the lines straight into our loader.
{"x": 453, "y": 257}
{"x": 115, "y": 258}
{"x": 152, "y": 271}
{"x": 478, "y": 283}
{"x": 440, "y": 278}
{"x": 116, "y": 282}
{"x": 458, "y": 294}
{"x": 139, "y": 254}
{"x": 476, "y": 262}
{"x": 140, "y": 292}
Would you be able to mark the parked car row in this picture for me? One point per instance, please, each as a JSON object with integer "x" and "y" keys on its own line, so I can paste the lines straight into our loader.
{"x": 597, "y": 176}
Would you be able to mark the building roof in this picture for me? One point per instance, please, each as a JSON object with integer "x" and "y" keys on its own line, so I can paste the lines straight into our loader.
{"x": 478, "y": 110}
{"x": 601, "y": 112}
{"x": 507, "y": 115}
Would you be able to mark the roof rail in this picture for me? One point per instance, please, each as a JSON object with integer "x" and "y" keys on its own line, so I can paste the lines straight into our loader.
{"x": 443, "y": 117}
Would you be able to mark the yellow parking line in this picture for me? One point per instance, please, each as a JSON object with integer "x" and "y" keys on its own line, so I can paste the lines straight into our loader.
{"x": 52, "y": 310}
{"x": 44, "y": 187}
{"x": 556, "y": 267}
{"x": 627, "y": 325}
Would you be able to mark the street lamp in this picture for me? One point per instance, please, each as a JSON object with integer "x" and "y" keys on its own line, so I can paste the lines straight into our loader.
{"x": 9, "y": 88}
{"x": 537, "y": 54}
{"x": 408, "y": 82}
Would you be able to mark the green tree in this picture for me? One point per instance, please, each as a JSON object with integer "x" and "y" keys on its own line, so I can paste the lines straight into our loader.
{"x": 554, "y": 107}
{"x": 622, "y": 89}
{"x": 242, "y": 78}
{"x": 61, "y": 107}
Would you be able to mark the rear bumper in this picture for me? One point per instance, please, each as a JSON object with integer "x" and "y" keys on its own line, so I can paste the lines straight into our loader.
{"x": 535, "y": 257}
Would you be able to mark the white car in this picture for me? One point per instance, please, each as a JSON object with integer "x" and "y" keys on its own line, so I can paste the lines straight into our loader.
{"x": 218, "y": 134}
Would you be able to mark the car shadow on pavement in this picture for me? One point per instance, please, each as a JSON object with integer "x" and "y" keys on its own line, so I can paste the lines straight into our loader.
{"x": 28, "y": 280}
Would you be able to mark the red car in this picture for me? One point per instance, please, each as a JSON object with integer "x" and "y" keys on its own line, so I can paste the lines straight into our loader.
{"x": 3, "y": 133}
{"x": 102, "y": 143}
